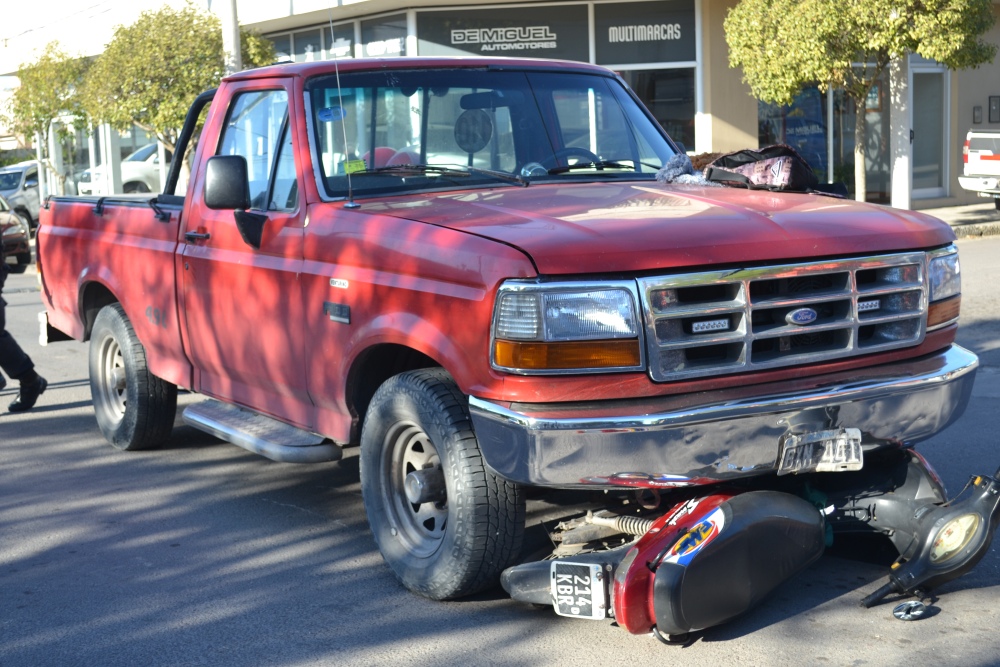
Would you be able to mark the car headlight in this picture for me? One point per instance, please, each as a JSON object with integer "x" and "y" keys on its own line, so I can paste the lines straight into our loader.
{"x": 945, "y": 280}
{"x": 566, "y": 328}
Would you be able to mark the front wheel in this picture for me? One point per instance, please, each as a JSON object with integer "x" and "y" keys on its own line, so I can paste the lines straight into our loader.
{"x": 445, "y": 525}
{"x": 134, "y": 408}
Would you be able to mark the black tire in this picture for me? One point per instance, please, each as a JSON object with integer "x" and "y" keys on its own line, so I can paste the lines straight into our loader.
{"x": 135, "y": 187}
{"x": 23, "y": 260}
{"x": 134, "y": 408}
{"x": 460, "y": 542}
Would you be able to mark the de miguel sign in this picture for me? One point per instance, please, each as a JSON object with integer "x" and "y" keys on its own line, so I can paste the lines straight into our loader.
{"x": 624, "y": 33}
{"x": 506, "y": 39}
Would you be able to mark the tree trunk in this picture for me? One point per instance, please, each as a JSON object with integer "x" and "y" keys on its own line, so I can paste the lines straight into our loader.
{"x": 860, "y": 173}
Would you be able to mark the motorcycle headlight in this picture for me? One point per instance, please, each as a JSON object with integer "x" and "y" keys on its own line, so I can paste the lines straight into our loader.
{"x": 953, "y": 537}
{"x": 566, "y": 328}
{"x": 945, "y": 282}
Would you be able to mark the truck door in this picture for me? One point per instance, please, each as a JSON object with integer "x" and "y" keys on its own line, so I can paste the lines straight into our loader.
{"x": 241, "y": 304}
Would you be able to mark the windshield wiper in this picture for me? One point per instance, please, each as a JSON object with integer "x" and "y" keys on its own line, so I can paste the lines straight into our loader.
{"x": 443, "y": 170}
{"x": 588, "y": 164}
{"x": 414, "y": 170}
{"x": 501, "y": 175}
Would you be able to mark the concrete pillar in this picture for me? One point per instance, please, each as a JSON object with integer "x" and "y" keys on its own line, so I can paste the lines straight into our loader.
{"x": 57, "y": 179}
{"x": 161, "y": 154}
{"x": 900, "y": 143}
{"x": 111, "y": 160}
{"x": 43, "y": 180}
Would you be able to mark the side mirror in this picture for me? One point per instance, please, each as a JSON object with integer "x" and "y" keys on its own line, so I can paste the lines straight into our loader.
{"x": 227, "y": 185}
{"x": 31, "y": 183}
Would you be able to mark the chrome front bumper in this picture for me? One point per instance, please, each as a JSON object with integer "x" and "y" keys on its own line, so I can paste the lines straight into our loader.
{"x": 722, "y": 435}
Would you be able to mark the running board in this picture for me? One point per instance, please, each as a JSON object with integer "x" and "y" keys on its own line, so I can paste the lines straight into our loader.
{"x": 260, "y": 434}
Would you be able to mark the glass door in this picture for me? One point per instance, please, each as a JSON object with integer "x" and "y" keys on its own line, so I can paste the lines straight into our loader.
{"x": 929, "y": 136}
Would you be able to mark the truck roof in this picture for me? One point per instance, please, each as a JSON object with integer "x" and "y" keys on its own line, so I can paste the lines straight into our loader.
{"x": 448, "y": 62}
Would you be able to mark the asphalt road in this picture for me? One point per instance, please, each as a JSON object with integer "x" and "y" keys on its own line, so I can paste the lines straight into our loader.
{"x": 203, "y": 554}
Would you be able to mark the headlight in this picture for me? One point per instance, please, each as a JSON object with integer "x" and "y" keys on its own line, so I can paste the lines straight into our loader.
{"x": 953, "y": 537}
{"x": 945, "y": 278}
{"x": 564, "y": 328}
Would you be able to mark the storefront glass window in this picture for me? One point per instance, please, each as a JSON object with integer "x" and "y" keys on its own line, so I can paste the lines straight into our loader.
{"x": 339, "y": 43}
{"x": 876, "y": 148}
{"x": 385, "y": 36}
{"x": 805, "y": 125}
{"x": 802, "y": 126}
{"x": 308, "y": 47}
{"x": 669, "y": 95}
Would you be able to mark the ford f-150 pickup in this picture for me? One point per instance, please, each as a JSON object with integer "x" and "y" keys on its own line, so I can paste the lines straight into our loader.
{"x": 468, "y": 268}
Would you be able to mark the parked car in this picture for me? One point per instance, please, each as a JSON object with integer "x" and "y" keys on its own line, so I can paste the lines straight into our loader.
{"x": 981, "y": 158}
{"x": 19, "y": 185}
{"x": 140, "y": 172}
{"x": 16, "y": 235}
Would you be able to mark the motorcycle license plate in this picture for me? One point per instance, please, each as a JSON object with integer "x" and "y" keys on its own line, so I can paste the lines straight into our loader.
{"x": 836, "y": 450}
{"x": 579, "y": 590}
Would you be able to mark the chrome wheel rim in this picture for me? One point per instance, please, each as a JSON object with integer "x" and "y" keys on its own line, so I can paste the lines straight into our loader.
{"x": 112, "y": 381}
{"x": 419, "y": 526}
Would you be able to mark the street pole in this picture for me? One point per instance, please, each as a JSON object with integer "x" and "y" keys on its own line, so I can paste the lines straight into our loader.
{"x": 226, "y": 10}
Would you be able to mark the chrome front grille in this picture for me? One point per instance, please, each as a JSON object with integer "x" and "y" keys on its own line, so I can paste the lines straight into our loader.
{"x": 749, "y": 319}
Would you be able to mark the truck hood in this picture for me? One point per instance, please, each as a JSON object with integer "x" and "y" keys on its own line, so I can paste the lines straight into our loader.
{"x": 615, "y": 227}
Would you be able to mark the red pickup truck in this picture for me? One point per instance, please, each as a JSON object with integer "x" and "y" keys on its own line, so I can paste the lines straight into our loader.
{"x": 469, "y": 268}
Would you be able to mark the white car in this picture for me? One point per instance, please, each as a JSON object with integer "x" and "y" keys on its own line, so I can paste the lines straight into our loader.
{"x": 140, "y": 173}
{"x": 19, "y": 186}
{"x": 981, "y": 155}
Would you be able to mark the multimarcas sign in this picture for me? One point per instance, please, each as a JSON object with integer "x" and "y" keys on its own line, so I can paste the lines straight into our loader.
{"x": 644, "y": 32}
{"x": 628, "y": 32}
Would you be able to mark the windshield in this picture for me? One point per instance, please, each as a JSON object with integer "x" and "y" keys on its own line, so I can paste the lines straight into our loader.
{"x": 496, "y": 128}
{"x": 10, "y": 180}
{"x": 142, "y": 154}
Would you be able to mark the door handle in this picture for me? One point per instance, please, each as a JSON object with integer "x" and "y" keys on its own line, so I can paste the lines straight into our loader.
{"x": 197, "y": 236}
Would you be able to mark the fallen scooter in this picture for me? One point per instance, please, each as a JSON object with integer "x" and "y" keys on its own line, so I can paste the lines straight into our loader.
{"x": 710, "y": 558}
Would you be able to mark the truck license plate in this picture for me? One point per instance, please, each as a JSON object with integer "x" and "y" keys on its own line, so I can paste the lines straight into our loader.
{"x": 836, "y": 450}
{"x": 579, "y": 590}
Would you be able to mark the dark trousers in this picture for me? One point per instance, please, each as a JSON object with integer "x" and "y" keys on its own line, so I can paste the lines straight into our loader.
{"x": 14, "y": 362}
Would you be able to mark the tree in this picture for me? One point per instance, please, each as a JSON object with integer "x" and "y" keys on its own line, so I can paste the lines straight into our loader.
{"x": 151, "y": 70}
{"x": 50, "y": 88}
{"x": 784, "y": 45}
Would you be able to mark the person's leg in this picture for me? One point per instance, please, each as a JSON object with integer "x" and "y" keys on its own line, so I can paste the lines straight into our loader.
{"x": 18, "y": 366}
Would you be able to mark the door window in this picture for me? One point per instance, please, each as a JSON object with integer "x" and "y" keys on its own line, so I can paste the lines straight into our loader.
{"x": 255, "y": 127}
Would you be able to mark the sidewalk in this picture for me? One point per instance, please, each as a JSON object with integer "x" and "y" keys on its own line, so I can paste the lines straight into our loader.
{"x": 970, "y": 220}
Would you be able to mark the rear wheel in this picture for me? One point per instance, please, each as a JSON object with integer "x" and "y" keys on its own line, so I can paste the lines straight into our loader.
{"x": 23, "y": 260}
{"x": 135, "y": 187}
{"x": 134, "y": 408}
{"x": 445, "y": 525}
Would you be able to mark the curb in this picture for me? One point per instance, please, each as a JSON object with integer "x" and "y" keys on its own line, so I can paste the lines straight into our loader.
{"x": 976, "y": 230}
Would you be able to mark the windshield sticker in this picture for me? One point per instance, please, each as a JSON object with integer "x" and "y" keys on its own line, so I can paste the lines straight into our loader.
{"x": 351, "y": 166}
{"x": 330, "y": 114}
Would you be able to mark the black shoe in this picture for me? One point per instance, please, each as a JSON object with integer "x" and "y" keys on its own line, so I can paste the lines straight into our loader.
{"x": 28, "y": 395}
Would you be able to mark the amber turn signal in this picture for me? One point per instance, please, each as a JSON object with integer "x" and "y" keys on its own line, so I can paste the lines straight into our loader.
{"x": 534, "y": 356}
{"x": 944, "y": 311}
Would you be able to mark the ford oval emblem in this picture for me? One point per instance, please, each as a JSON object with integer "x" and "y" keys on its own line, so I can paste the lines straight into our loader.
{"x": 801, "y": 316}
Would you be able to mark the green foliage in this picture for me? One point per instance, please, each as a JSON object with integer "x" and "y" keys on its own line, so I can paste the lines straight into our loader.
{"x": 151, "y": 70}
{"x": 49, "y": 88}
{"x": 783, "y": 45}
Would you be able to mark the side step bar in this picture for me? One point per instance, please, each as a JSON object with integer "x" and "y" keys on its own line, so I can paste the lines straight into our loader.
{"x": 260, "y": 434}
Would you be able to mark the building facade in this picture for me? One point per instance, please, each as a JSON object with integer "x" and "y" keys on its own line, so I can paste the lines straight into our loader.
{"x": 674, "y": 55}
